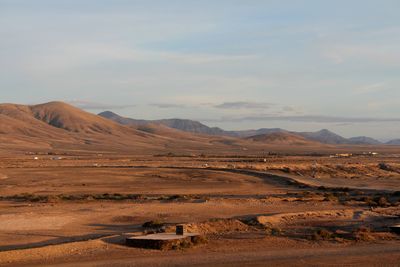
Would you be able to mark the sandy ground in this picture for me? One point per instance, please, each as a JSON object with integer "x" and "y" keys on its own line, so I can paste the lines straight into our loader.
{"x": 226, "y": 252}
{"x": 63, "y": 231}
{"x": 57, "y": 180}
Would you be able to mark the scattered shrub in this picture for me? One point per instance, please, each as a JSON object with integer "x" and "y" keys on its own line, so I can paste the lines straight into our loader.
{"x": 185, "y": 244}
{"x": 382, "y": 202}
{"x": 362, "y": 234}
{"x": 330, "y": 197}
{"x": 322, "y": 234}
{"x": 200, "y": 239}
{"x": 273, "y": 231}
{"x": 385, "y": 167}
{"x": 309, "y": 194}
{"x": 177, "y": 197}
{"x": 153, "y": 224}
{"x": 371, "y": 203}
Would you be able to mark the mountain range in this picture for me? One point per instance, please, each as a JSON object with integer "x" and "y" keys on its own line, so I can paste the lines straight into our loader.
{"x": 323, "y": 136}
{"x": 60, "y": 126}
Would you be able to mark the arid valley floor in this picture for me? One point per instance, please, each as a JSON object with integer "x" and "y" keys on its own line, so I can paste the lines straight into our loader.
{"x": 77, "y": 209}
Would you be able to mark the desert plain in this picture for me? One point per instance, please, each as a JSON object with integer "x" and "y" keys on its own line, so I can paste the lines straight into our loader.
{"x": 71, "y": 198}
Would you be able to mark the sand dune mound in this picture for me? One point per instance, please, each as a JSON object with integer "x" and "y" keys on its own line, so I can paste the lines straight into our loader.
{"x": 283, "y": 138}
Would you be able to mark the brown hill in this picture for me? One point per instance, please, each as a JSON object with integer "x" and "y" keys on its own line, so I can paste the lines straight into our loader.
{"x": 72, "y": 119}
{"x": 282, "y": 138}
{"x": 19, "y": 120}
{"x": 57, "y": 118}
{"x": 19, "y": 129}
{"x": 57, "y": 125}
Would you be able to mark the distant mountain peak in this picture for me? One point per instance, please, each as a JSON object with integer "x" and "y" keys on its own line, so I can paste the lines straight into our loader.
{"x": 107, "y": 113}
{"x": 283, "y": 138}
{"x": 325, "y": 136}
{"x": 364, "y": 140}
{"x": 322, "y": 136}
{"x": 325, "y": 131}
{"x": 394, "y": 142}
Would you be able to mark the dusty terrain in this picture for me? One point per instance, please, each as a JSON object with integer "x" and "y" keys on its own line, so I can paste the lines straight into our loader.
{"x": 74, "y": 185}
{"x": 255, "y": 211}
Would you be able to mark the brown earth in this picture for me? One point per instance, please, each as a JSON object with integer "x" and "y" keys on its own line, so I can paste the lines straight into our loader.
{"x": 78, "y": 209}
{"x": 73, "y": 185}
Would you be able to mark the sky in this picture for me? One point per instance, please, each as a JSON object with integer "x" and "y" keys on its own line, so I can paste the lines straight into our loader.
{"x": 301, "y": 65}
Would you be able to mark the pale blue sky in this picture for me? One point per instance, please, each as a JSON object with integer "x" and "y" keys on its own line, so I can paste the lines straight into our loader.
{"x": 300, "y": 65}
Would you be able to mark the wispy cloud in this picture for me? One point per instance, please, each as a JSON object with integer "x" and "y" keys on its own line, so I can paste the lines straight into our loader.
{"x": 371, "y": 88}
{"x": 63, "y": 57}
{"x": 387, "y": 55}
{"x": 244, "y": 105}
{"x": 305, "y": 118}
{"x": 167, "y": 105}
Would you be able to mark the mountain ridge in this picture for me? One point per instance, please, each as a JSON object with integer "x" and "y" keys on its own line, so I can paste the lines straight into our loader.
{"x": 323, "y": 136}
{"x": 57, "y": 125}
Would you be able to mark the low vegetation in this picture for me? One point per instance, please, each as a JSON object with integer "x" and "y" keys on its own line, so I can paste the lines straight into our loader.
{"x": 322, "y": 234}
{"x": 350, "y": 197}
{"x": 363, "y": 234}
{"x": 28, "y": 197}
{"x": 153, "y": 224}
{"x": 194, "y": 241}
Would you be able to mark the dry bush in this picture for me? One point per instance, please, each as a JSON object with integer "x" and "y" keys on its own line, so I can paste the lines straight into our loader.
{"x": 27, "y": 197}
{"x": 330, "y": 197}
{"x": 66, "y": 197}
{"x": 153, "y": 224}
{"x": 322, "y": 234}
{"x": 368, "y": 201}
{"x": 385, "y": 167}
{"x": 185, "y": 244}
{"x": 275, "y": 231}
{"x": 383, "y": 202}
{"x": 200, "y": 239}
{"x": 363, "y": 234}
{"x": 309, "y": 194}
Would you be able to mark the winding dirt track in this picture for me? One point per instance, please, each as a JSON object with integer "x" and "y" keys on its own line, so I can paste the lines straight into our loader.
{"x": 281, "y": 179}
